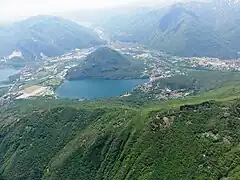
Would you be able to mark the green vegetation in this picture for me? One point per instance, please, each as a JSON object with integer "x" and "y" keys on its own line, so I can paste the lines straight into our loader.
{"x": 140, "y": 137}
{"x": 200, "y": 80}
{"x": 1, "y": 178}
{"x": 199, "y": 84}
{"x": 108, "y": 64}
{"x": 76, "y": 142}
{"x": 54, "y": 83}
{"x": 127, "y": 138}
{"x": 3, "y": 90}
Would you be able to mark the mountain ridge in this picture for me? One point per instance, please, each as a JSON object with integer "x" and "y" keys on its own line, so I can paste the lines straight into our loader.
{"x": 47, "y": 35}
{"x": 198, "y": 28}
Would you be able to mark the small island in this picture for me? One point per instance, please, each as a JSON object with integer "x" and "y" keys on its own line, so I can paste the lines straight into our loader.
{"x": 106, "y": 63}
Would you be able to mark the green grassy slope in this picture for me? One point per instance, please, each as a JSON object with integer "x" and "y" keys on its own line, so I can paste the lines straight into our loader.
{"x": 193, "y": 138}
{"x": 187, "y": 142}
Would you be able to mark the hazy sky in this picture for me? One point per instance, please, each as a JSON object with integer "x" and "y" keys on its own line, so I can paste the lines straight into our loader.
{"x": 15, "y": 9}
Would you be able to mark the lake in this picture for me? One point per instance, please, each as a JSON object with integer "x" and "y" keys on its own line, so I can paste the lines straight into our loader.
{"x": 97, "y": 88}
{"x": 5, "y": 73}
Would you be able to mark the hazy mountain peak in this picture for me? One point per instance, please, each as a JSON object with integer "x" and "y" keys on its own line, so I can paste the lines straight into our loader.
{"x": 227, "y": 2}
{"x": 174, "y": 15}
{"x": 49, "y": 35}
{"x": 233, "y": 1}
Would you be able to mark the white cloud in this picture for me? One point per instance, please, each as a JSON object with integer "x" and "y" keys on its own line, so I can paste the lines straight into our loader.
{"x": 17, "y": 9}
{"x": 10, "y": 9}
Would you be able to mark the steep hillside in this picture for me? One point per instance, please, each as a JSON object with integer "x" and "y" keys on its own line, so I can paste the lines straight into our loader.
{"x": 107, "y": 63}
{"x": 41, "y": 36}
{"x": 198, "y": 141}
{"x": 186, "y": 34}
{"x": 195, "y": 137}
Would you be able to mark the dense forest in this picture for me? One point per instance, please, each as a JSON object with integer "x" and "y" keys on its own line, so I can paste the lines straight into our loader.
{"x": 193, "y": 138}
{"x": 107, "y": 63}
{"x": 195, "y": 141}
{"x": 183, "y": 124}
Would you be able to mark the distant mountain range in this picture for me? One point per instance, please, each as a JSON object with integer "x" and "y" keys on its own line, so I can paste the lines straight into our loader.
{"x": 41, "y": 36}
{"x": 209, "y": 28}
{"x": 201, "y": 28}
{"x": 108, "y": 64}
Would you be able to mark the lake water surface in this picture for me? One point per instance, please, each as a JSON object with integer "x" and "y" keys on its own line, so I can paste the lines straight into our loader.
{"x": 97, "y": 88}
{"x": 5, "y": 73}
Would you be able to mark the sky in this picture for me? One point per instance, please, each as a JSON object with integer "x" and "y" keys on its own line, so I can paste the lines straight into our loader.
{"x": 17, "y": 9}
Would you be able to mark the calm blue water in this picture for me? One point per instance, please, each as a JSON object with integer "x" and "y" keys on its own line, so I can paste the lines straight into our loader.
{"x": 5, "y": 73}
{"x": 97, "y": 88}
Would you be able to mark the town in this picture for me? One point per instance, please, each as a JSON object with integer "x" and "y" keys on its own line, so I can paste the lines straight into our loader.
{"x": 46, "y": 75}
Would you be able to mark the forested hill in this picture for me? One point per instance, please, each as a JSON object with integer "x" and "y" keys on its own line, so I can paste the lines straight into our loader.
{"x": 125, "y": 138}
{"x": 73, "y": 140}
{"x": 109, "y": 64}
